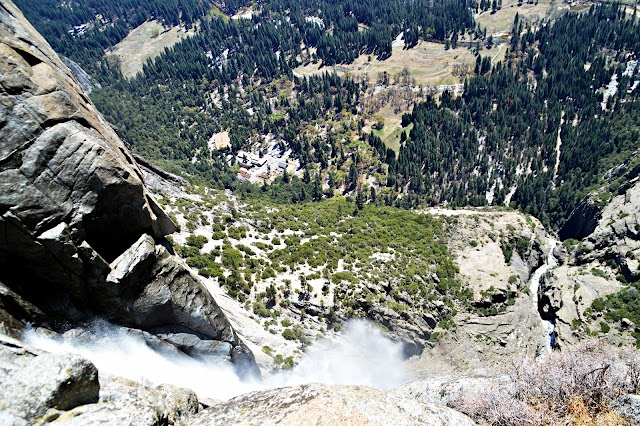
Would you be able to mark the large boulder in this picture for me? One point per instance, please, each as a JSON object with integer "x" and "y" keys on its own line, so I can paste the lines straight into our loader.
{"x": 39, "y": 388}
{"x": 125, "y": 402}
{"x": 628, "y": 406}
{"x": 32, "y": 383}
{"x": 80, "y": 236}
{"x": 328, "y": 405}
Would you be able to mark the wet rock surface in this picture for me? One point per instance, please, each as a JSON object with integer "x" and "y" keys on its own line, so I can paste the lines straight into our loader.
{"x": 40, "y": 388}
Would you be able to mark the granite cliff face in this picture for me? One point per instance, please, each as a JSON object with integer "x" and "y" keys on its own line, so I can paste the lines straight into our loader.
{"x": 80, "y": 236}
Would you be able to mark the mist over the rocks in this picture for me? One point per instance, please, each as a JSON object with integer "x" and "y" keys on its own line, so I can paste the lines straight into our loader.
{"x": 361, "y": 355}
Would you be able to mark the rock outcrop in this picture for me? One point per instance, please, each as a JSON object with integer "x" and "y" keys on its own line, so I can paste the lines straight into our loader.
{"x": 40, "y": 387}
{"x": 606, "y": 257}
{"x": 583, "y": 220}
{"x": 328, "y": 405}
{"x": 617, "y": 236}
{"x": 80, "y": 236}
{"x": 33, "y": 383}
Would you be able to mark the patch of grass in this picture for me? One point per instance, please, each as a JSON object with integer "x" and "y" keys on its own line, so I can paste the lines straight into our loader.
{"x": 147, "y": 41}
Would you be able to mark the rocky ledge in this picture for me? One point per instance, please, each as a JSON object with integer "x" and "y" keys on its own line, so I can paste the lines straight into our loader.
{"x": 40, "y": 388}
{"x": 328, "y": 405}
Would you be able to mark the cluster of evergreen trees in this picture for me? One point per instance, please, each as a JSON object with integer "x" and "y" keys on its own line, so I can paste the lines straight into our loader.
{"x": 108, "y": 21}
{"x": 501, "y": 135}
{"x": 383, "y": 20}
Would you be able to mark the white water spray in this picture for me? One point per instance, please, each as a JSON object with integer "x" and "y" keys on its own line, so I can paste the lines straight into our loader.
{"x": 359, "y": 356}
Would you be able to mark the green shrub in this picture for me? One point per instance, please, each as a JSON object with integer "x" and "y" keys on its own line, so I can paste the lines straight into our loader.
{"x": 232, "y": 258}
{"x": 246, "y": 249}
{"x": 435, "y": 336}
{"x": 338, "y": 277}
{"x": 288, "y": 334}
{"x": 261, "y": 310}
{"x": 288, "y": 363}
{"x": 570, "y": 243}
{"x": 237, "y": 233}
{"x": 212, "y": 271}
{"x": 197, "y": 241}
{"x": 268, "y": 273}
{"x": 187, "y": 251}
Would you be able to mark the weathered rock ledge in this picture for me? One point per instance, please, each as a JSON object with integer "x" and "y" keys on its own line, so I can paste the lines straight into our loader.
{"x": 40, "y": 387}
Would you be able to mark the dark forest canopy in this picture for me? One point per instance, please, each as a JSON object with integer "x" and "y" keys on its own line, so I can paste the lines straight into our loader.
{"x": 502, "y": 134}
{"x": 337, "y": 37}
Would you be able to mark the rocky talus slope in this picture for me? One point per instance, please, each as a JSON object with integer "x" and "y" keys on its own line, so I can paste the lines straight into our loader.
{"x": 79, "y": 234}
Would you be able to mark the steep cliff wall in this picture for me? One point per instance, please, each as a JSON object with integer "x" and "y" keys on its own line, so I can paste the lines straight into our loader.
{"x": 603, "y": 261}
{"x": 79, "y": 234}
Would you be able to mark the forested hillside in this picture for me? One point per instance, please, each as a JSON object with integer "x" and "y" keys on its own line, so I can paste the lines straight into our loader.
{"x": 537, "y": 131}
{"x": 216, "y": 81}
{"x": 82, "y": 30}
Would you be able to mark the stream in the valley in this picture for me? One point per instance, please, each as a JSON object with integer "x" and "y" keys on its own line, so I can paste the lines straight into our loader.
{"x": 550, "y": 262}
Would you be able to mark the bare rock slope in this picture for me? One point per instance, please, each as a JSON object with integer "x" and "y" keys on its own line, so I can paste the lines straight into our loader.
{"x": 328, "y": 405}
{"x": 497, "y": 253}
{"x": 79, "y": 234}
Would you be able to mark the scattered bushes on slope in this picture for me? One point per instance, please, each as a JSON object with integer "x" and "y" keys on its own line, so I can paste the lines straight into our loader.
{"x": 620, "y": 305}
{"x": 575, "y": 386}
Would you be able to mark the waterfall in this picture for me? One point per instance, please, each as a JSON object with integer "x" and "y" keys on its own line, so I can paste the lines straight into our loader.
{"x": 550, "y": 262}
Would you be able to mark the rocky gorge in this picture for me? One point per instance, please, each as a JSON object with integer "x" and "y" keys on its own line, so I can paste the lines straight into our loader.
{"x": 81, "y": 238}
{"x": 83, "y": 241}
